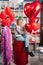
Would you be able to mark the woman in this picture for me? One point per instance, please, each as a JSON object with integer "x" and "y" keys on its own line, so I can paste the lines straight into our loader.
{"x": 23, "y": 36}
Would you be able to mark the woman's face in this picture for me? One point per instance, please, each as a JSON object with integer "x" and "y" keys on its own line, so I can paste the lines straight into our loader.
{"x": 20, "y": 22}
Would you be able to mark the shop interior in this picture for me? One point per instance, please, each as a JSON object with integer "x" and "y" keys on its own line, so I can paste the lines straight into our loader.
{"x": 36, "y": 38}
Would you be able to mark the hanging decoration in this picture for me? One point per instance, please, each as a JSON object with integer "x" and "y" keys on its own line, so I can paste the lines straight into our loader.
{"x": 32, "y": 20}
{"x": 28, "y": 27}
{"x": 6, "y": 22}
{"x": 3, "y": 15}
{"x": 35, "y": 26}
{"x": 31, "y": 10}
{"x": 6, "y": 45}
{"x": 27, "y": 9}
{"x": 7, "y": 16}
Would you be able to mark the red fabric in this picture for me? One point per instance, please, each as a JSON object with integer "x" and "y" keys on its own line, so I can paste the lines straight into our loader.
{"x": 20, "y": 56}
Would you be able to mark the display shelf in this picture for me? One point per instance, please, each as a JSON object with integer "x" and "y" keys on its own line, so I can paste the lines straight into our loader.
{"x": 18, "y": 10}
{"x": 38, "y": 35}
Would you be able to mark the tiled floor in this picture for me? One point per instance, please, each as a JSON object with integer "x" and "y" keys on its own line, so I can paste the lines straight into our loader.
{"x": 32, "y": 60}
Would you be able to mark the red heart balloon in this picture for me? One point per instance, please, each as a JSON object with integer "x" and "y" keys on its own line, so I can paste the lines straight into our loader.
{"x": 27, "y": 8}
{"x": 32, "y": 9}
{"x": 11, "y": 16}
{"x": 28, "y": 28}
{"x": 37, "y": 8}
{"x": 9, "y": 21}
{"x": 7, "y": 10}
{"x": 7, "y": 16}
{"x": 32, "y": 20}
{"x": 10, "y": 13}
{"x": 3, "y": 15}
{"x": 6, "y": 22}
{"x": 35, "y": 26}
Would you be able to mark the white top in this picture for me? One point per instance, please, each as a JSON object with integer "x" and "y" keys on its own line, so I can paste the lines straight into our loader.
{"x": 19, "y": 32}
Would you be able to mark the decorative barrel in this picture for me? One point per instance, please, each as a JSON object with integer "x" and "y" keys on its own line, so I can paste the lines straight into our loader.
{"x": 20, "y": 55}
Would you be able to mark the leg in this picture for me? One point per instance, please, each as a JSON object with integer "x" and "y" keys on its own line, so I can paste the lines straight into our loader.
{"x": 27, "y": 45}
{"x": 20, "y": 38}
{"x": 27, "y": 42}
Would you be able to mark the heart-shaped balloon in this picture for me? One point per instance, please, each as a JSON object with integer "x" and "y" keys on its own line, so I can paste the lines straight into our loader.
{"x": 7, "y": 10}
{"x": 32, "y": 9}
{"x": 27, "y": 8}
{"x": 32, "y": 20}
{"x": 28, "y": 28}
{"x": 35, "y": 26}
{"x": 3, "y": 15}
{"x": 7, "y": 16}
{"x": 6, "y": 22}
{"x": 10, "y": 13}
{"x": 37, "y": 8}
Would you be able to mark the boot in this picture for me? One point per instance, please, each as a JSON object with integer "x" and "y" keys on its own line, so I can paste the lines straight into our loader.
{"x": 30, "y": 53}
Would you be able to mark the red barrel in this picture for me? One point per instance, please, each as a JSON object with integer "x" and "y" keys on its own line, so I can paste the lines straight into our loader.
{"x": 20, "y": 55}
